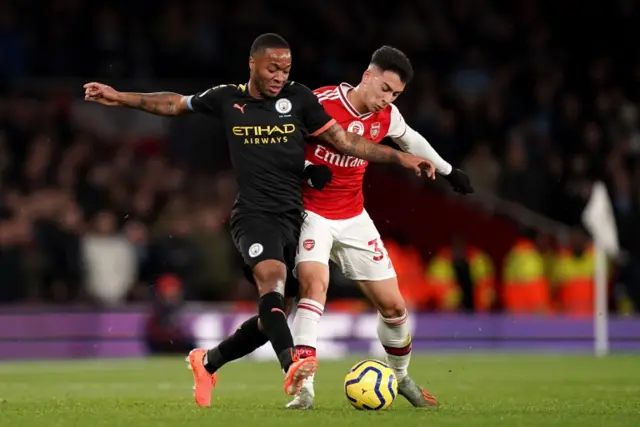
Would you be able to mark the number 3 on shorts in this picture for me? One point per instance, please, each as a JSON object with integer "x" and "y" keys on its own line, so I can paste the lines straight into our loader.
{"x": 379, "y": 256}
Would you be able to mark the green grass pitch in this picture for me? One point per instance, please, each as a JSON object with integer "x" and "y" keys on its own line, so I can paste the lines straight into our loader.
{"x": 487, "y": 390}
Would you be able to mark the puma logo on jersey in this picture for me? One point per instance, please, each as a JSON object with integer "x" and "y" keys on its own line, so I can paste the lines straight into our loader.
{"x": 240, "y": 107}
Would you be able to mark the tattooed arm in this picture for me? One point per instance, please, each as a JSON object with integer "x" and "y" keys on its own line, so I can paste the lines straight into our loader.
{"x": 357, "y": 146}
{"x": 160, "y": 103}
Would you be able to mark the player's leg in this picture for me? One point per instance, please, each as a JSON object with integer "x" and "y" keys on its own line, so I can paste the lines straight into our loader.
{"x": 296, "y": 369}
{"x": 262, "y": 248}
{"x": 312, "y": 271}
{"x": 245, "y": 340}
{"x": 395, "y": 336}
{"x": 393, "y": 329}
{"x": 249, "y": 336}
{"x": 204, "y": 363}
{"x": 363, "y": 258}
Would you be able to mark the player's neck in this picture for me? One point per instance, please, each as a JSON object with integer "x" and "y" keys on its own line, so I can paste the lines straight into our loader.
{"x": 354, "y": 98}
{"x": 253, "y": 91}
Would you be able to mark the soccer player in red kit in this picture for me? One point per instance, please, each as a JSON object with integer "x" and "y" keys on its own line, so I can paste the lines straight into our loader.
{"x": 338, "y": 227}
{"x": 267, "y": 121}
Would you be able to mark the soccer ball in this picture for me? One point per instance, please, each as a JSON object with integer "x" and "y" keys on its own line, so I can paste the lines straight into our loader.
{"x": 371, "y": 385}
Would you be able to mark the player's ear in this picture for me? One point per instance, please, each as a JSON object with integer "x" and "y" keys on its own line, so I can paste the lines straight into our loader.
{"x": 252, "y": 63}
{"x": 366, "y": 76}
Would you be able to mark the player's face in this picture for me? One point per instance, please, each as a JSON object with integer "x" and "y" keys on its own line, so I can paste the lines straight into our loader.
{"x": 381, "y": 88}
{"x": 270, "y": 71}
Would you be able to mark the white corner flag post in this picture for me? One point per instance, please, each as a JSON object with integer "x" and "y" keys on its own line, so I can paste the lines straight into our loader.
{"x": 598, "y": 218}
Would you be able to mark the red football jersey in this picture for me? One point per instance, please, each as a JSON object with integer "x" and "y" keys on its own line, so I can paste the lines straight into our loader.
{"x": 343, "y": 198}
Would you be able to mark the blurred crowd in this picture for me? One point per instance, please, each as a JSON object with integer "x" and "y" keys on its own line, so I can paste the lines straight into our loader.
{"x": 534, "y": 99}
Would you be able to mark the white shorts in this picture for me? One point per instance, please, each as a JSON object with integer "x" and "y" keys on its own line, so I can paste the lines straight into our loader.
{"x": 354, "y": 244}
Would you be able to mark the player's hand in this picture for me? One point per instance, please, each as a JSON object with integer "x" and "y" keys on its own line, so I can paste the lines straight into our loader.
{"x": 317, "y": 176}
{"x": 102, "y": 94}
{"x": 459, "y": 181}
{"x": 418, "y": 165}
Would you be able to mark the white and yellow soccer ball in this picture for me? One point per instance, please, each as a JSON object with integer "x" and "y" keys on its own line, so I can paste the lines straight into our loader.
{"x": 371, "y": 384}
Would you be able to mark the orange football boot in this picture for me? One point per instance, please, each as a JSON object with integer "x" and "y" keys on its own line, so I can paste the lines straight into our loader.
{"x": 298, "y": 371}
{"x": 203, "y": 381}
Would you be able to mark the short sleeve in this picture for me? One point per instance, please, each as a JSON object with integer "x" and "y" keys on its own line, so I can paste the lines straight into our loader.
{"x": 397, "y": 126}
{"x": 314, "y": 117}
{"x": 210, "y": 101}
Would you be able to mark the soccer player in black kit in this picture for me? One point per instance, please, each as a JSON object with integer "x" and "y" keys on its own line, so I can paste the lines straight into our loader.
{"x": 266, "y": 122}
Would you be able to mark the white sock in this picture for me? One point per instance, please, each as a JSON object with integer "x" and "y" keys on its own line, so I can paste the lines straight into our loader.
{"x": 395, "y": 337}
{"x": 305, "y": 329}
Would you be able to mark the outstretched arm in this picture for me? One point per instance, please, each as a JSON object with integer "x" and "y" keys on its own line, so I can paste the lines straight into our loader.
{"x": 160, "y": 103}
{"x": 320, "y": 124}
{"x": 357, "y": 146}
{"x": 414, "y": 143}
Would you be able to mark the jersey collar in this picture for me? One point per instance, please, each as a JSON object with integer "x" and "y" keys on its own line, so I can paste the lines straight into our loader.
{"x": 343, "y": 89}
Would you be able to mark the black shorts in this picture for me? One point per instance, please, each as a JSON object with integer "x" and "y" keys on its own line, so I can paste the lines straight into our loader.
{"x": 261, "y": 236}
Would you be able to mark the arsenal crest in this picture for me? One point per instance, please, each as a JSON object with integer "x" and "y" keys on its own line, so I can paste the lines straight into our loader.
{"x": 375, "y": 130}
{"x": 308, "y": 244}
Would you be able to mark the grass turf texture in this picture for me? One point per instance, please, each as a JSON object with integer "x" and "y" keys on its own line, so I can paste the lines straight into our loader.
{"x": 475, "y": 390}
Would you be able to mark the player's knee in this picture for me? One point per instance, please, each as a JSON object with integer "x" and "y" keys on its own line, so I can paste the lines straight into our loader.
{"x": 313, "y": 287}
{"x": 393, "y": 309}
{"x": 270, "y": 276}
{"x": 314, "y": 280}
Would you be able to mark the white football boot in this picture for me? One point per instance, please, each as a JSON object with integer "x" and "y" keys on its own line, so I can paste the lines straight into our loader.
{"x": 304, "y": 399}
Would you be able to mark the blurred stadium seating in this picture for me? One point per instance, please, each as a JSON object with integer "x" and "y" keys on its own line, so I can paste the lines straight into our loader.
{"x": 531, "y": 98}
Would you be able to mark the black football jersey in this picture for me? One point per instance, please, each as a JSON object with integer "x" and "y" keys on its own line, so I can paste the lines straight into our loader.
{"x": 266, "y": 138}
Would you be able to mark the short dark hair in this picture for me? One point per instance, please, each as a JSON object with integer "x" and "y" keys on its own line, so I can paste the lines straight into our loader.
{"x": 389, "y": 58}
{"x": 268, "y": 41}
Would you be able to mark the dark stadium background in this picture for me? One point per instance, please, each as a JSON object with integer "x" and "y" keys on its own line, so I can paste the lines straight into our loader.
{"x": 535, "y": 99}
